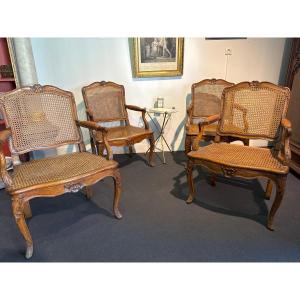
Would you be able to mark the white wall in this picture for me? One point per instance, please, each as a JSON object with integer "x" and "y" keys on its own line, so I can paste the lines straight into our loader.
{"x": 71, "y": 63}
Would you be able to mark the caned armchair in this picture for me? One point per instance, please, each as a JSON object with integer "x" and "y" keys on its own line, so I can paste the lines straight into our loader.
{"x": 43, "y": 117}
{"x": 205, "y": 103}
{"x": 105, "y": 102}
{"x": 257, "y": 111}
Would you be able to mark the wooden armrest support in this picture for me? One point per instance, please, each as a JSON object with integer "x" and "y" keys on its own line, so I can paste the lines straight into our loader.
{"x": 202, "y": 123}
{"x": 89, "y": 113}
{"x": 286, "y": 124}
{"x": 94, "y": 126}
{"x": 189, "y": 115}
{"x": 189, "y": 109}
{"x": 4, "y": 135}
{"x": 285, "y": 149}
{"x": 142, "y": 110}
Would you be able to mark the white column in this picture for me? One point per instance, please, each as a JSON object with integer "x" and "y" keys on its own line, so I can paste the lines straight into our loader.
{"x": 24, "y": 61}
{"x": 25, "y": 68}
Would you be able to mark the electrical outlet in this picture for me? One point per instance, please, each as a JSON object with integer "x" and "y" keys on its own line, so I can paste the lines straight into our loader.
{"x": 228, "y": 51}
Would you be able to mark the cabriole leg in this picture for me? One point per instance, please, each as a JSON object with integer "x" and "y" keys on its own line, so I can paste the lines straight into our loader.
{"x": 130, "y": 150}
{"x": 189, "y": 173}
{"x": 27, "y": 210}
{"x": 280, "y": 188}
{"x": 117, "y": 195}
{"x": 18, "y": 212}
{"x": 88, "y": 192}
{"x": 213, "y": 179}
{"x": 269, "y": 187}
{"x": 188, "y": 144}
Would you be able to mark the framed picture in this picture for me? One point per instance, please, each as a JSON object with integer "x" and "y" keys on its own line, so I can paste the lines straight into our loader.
{"x": 157, "y": 57}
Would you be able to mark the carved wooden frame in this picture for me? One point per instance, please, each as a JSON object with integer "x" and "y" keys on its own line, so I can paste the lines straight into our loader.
{"x": 282, "y": 148}
{"x": 190, "y": 138}
{"x": 20, "y": 198}
{"x": 98, "y": 146}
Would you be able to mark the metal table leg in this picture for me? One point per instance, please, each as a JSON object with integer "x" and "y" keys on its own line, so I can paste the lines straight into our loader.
{"x": 160, "y": 138}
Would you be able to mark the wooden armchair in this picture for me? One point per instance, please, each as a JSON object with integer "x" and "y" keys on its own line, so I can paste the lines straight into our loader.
{"x": 105, "y": 102}
{"x": 264, "y": 106}
{"x": 43, "y": 117}
{"x": 206, "y": 102}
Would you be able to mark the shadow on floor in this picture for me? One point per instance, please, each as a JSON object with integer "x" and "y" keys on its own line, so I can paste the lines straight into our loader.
{"x": 232, "y": 203}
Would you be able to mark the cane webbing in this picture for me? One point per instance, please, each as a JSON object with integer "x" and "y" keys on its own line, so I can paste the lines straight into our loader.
{"x": 206, "y": 97}
{"x": 240, "y": 157}
{"x": 122, "y": 133}
{"x": 40, "y": 117}
{"x": 58, "y": 168}
{"x": 105, "y": 101}
{"x": 254, "y": 109}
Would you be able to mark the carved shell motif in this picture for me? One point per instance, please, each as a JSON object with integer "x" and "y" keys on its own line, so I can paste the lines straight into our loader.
{"x": 37, "y": 88}
{"x": 228, "y": 172}
{"x": 254, "y": 84}
{"x": 73, "y": 187}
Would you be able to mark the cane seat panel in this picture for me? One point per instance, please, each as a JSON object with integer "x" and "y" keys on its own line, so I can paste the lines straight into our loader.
{"x": 59, "y": 168}
{"x": 241, "y": 157}
{"x": 122, "y": 133}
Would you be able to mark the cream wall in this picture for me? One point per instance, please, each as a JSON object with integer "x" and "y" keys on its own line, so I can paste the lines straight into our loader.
{"x": 71, "y": 63}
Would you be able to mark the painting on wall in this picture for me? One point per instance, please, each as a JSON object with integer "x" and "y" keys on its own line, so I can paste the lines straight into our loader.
{"x": 157, "y": 57}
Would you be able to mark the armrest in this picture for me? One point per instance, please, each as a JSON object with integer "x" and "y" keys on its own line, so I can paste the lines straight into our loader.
{"x": 209, "y": 120}
{"x": 94, "y": 126}
{"x": 287, "y": 131}
{"x": 244, "y": 112}
{"x": 90, "y": 125}
{"x": 239, "y": 107}
{"x": 142, "y": 110}
{"x": 135, "y": 108}
{"x": 4, "y": 135}
{"x": 202, "y": 123}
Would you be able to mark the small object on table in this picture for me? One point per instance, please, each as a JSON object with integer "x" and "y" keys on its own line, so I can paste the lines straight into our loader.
{"x": 160, "y": 102}
{"x": 167, "y": 113}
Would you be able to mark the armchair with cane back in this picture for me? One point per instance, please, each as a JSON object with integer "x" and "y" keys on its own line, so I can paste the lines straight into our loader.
{"x": 257, "y": 110}
{"x": 105, "y": 102}
{"x": 43, "y": 117}
{"x": 206, "y": 102}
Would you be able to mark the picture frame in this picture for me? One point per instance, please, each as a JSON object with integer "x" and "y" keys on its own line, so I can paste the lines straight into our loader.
{"x": 157, "y": 57}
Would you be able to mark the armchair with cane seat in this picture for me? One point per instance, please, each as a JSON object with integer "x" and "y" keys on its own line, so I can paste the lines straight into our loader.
{"x": 105, "y": 102}
{"x": 257, "y": 110}
{"x": 44, "y": 117}
{"x": 206, "y": 102}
